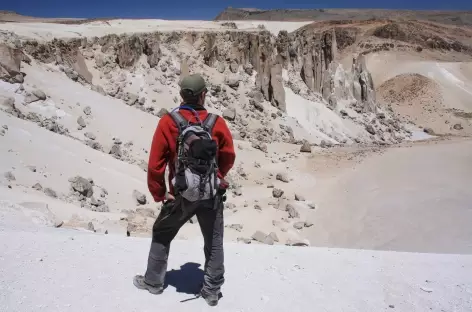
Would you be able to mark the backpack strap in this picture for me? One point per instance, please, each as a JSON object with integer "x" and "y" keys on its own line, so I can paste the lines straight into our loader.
{"x": 209, "y": 122}
{"x": 179, "y": 120}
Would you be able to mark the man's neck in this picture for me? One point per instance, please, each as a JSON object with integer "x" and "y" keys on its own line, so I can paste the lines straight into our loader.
{"x": 194, "y": 106}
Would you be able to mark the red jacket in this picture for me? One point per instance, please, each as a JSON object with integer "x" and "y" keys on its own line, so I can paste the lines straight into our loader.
{"x": 163, "y": 151}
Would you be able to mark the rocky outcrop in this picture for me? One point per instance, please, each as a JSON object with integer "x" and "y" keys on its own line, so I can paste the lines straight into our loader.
{"x": 10, "y": 62}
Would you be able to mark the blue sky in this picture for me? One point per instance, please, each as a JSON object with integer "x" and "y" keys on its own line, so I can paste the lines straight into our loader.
{"x": 198, "y": 9}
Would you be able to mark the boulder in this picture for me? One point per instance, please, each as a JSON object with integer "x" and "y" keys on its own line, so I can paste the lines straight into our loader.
{"x": 262, "y": 238}
{"x": 90, "y": 135}
{"x": 298, "y": 243}
{"x": 162, "y": 112}
{"x": 82, "y": 186}
{"x": 306, "y": 147}
{"x": 370, "y": 129}
{"x": 299, "y": 225}
{"x": 87, "y": 110}
{"x": 37, "y": 187}
{"x": 229, "y": 114}
{"x": 292, "y": 212}
{"x": 277, "y": 193}
{"x": 115, "y": 151}
{"x": 81, "y": 122}
{"x": 9, "y": 176}
{"x": 237, "y": 227}
{"x": 139, "y": 197}
{"x": 50, "y": 192}
{"x": 233, "y": 81}
{"x": 282, "y": 177}
{"x": 274, "y": 236}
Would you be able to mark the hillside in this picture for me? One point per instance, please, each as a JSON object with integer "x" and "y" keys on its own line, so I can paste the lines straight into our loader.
{"x": 305, "y": 102}
{"x": 446, "y": 17}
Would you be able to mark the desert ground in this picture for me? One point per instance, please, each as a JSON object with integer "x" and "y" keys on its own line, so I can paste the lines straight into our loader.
{"x": 353, "y": 140}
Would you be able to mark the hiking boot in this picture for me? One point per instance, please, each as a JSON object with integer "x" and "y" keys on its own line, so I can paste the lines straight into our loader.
{"x": 211, "y": 299}
{"x": 140, "y": 283}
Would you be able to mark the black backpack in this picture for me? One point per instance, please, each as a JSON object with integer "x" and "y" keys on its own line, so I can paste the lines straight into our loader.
{"x": 196, "y": 164}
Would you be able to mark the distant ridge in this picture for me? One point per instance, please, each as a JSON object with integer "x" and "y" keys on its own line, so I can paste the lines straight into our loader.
{"x": 442, "y": 16}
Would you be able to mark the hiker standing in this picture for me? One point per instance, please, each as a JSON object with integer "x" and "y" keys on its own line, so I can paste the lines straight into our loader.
{"x": 198, "y": 147}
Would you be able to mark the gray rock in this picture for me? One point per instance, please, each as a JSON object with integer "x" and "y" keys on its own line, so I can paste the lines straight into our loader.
{"x": 299, "y": 225}
{"x": 299, "y": 197}
{"x": 244, "y": 240}
{"x": 81, "y": 122}
{"x": 259, "y": 236}
{"x": 117, "y": 141}
{"x": 90, "y": 227}
{"x": 139, "y": 197}
{"x": 248, "y": 69}
{"x": 131, "y": 99}
{"x": 5, "y": 127}
{"x": 88, "y": 110}
{"x": 237, "y": 227}
{"x": 298, "y": 243}
{"x": 234, "y": 67}
{"x": 221, "y": 67}
{"x": 237, "y": 192}
{"x": 257, "y": 105}
{"x": 50, "y": 192}
{"x": 429, "y": 131}
{"x": 9, "y": 176}
{"x": 82, "y": 186}
{"x": 142, "y": 101}
{"x": 162, "y": 112}
{"x": 311, "y": 206}
{"x": 282, "y": 177}
{"x": 308, "y": 224}
{"x": 115, "y": 151}
{"x": 95, "y": 145}
{"x": 72, "y": 74}
{"x": 262, "y": 238}
{"x": 2, "y": 132}
{"x": 90, "y": 135}
{"x": 257, "y": 207}
{"x": 292, "y": 212}
{"x": 58, "y": 223}
{"x": 99, "y": 89}
{"x": 274, "y": 236}
{"x": 277, "y": 193}
{"x": 260, "y": 146}
{"x": 233, "y": 81}
{"x": 32, "y": 168}
{"x": 229, "y": 114}
{"x": 458, "y": 126}
{"x": 370, "y": 129}
{"x": 39, "y": 94}
{"x": 306, "y": 147}
{"x": 37, "y": 187}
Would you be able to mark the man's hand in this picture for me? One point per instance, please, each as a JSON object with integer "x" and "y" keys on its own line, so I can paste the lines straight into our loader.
{"x": 169, "y": 197}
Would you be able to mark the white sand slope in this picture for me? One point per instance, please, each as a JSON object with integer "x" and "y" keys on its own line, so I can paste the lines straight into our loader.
{"x": 46, "y": 269}
{"x": 407, "y": 199}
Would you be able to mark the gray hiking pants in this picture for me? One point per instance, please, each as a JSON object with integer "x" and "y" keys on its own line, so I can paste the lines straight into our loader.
{"x": 171, "y": 218}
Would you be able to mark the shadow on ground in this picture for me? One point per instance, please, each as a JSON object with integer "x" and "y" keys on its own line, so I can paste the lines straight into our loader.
{"x": 188, "y": 279}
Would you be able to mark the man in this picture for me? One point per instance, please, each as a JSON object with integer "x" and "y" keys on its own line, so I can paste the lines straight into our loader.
{"x": 176, "y": 210}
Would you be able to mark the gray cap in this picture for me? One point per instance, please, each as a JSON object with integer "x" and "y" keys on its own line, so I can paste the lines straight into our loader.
{"x": 193, "y": 84}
